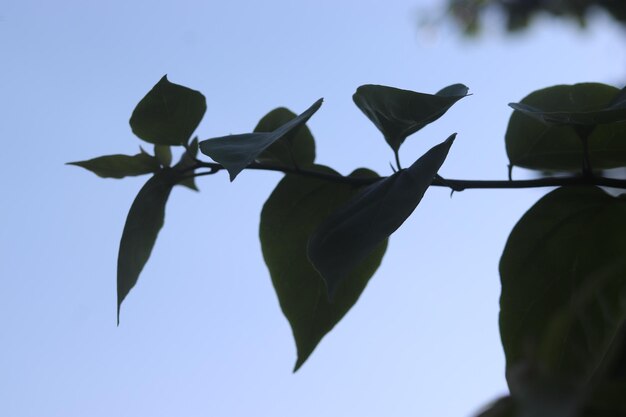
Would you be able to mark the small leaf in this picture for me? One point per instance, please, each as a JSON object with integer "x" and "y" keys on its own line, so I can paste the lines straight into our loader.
{"x": 292, "y": 212}
{"x": 187, "y": 160}
{"x": 295, "y": 149}
{"x": 163, "y": 154}
{"x": 350, "y": 234}
{"x": 236, "y": 152}
{"x": 400, "y": 113}
{"x": 546, "y": 139}
{"x": 563, "y": 302}
{"x": 168, "y": 114}
{"x": 143, "y": 223}
{"x": 120, "y": 166}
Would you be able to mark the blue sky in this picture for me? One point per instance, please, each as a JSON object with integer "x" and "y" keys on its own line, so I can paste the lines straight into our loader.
{"x": 202, "y": 333}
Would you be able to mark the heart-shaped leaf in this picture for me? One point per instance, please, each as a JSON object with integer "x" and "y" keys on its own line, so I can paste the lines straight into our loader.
{"x": 563, "y": 303}
{"x": 546, "y": 139}
{"x": 168, "y": 114}
{"x": 295, "y": 149}
{"x": 235, "y": 152}
{"x": 293, "y": 211}
{"x": 143, "y": 223}
{"x": 120, "y": 166}
{"x": 350, "y": 234}
{"x": 399, "y": 113}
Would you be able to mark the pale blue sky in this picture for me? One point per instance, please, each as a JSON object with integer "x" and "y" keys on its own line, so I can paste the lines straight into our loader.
{"x": 202, "y": 333}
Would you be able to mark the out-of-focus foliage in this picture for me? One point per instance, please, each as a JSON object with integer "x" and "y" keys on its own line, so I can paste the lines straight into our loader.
{"x": 518, "y": 14}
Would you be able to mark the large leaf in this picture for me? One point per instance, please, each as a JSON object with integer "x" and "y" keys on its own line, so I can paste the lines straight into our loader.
{"x": 143, "y": 223}
{"x": 563, "y": 303}
{"x": 293, "y": 211}
{"x": 611, "y": 112}
{"x": 502, "y": 407}
{"x": 120, "y": 166}
{"x": 295, "y": 149}
{"x": 350, "y": 234}
{"x": 399, "y": 113}
{"x": 546, "y": 139}
{"x": 168, "y": 114}
{"x": 235, "y": 152}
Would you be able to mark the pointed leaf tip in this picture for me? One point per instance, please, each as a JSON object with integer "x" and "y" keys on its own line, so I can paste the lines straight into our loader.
{"x": 168, "y": 114}
{"x": 295, "y": 208}
{"x": 236, "y": 152}
{"x": 400, "y": 113}
{"x": 352, "y": 232}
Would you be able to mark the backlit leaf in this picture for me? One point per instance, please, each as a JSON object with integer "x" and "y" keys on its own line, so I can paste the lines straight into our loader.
{"x": 295, "y": 149}
{"x": 350, "y": 234}
{"x": 563, "y": 301}
{"x": 120, "y": 166}
{"x": 168, "y": 114}
{"x": 235, "y": 152}
{"x": 143, "y": 223}
{"x": 546, "y": 139}
{"x": 400, "y": 113}
{"x": 293, "y": 211}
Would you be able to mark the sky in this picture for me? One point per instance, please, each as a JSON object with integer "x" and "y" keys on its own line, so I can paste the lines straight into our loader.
{"x": 202, "y": 333}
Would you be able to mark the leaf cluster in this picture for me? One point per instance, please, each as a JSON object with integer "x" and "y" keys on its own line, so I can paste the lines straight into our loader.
{"x": 323, "y": 235}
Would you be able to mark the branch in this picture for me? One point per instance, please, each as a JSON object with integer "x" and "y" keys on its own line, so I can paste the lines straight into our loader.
{"x": 453, "y": 184}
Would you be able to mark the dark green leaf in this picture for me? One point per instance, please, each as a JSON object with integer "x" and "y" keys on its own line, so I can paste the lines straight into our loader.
{"x": 502, "y": 407}
{"x": 350, "y": 234}
{"x": 563, "y": 300}
{"x": 575, "y": 108}
{"x": 168, "y": 114}
{"x": 187, "y": 160}
{"x": 236, "y": 152}
{"x": 400, "y": 113}
{"x": 142, "y": 227}
{"x": 548, "y": 144}
{"x": 163, "y": 154}
{"x": 120, "y": 166}
{"x": 295, "y": 149}
{"x": 294, "y": 210}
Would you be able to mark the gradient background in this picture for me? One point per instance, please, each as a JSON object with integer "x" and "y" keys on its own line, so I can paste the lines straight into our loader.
{"x": 202, "y": 333}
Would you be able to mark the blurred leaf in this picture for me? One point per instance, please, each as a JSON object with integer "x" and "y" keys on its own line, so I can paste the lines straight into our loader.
{"x": 168, "y": 114}
{"x": 533, "y": 144}
{"x": 400, "y": 113}
{"x": 143, "y": 223}
{"x": 351, "y": 233}
{"x": 164, "y": 154}
{"x": 295, "y": 149}
{"x": 563, "y": 301}
{"x": 120, "y": 166}
{"x": 235, "y": 152}
{"x": 502, "y": 407}
{"x": 293, "y": 211}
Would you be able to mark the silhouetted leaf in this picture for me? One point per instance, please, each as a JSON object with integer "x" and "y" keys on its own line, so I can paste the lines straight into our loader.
{"x": 187, "y": 160}
{"x": 143, "y": 223}
{"x": 293, "y": 211}
{"x": 553, "y": 144}
{"x": 349, "y": 235}
{"x": 235, "y": 152}
{"x": 502, "y": 407}
{"x": 400, "y": 113}
{"x": 611, "y": 112}
{"x": 120, "y": 166}
{"x": 563, "y": 300}
{"x": 295, "y": 149}
{"x": 163, "y": 154}
{"x": 168, "y": 114}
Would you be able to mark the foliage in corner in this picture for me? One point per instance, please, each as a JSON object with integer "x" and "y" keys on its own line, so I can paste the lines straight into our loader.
{"x": 323, "y": 235}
